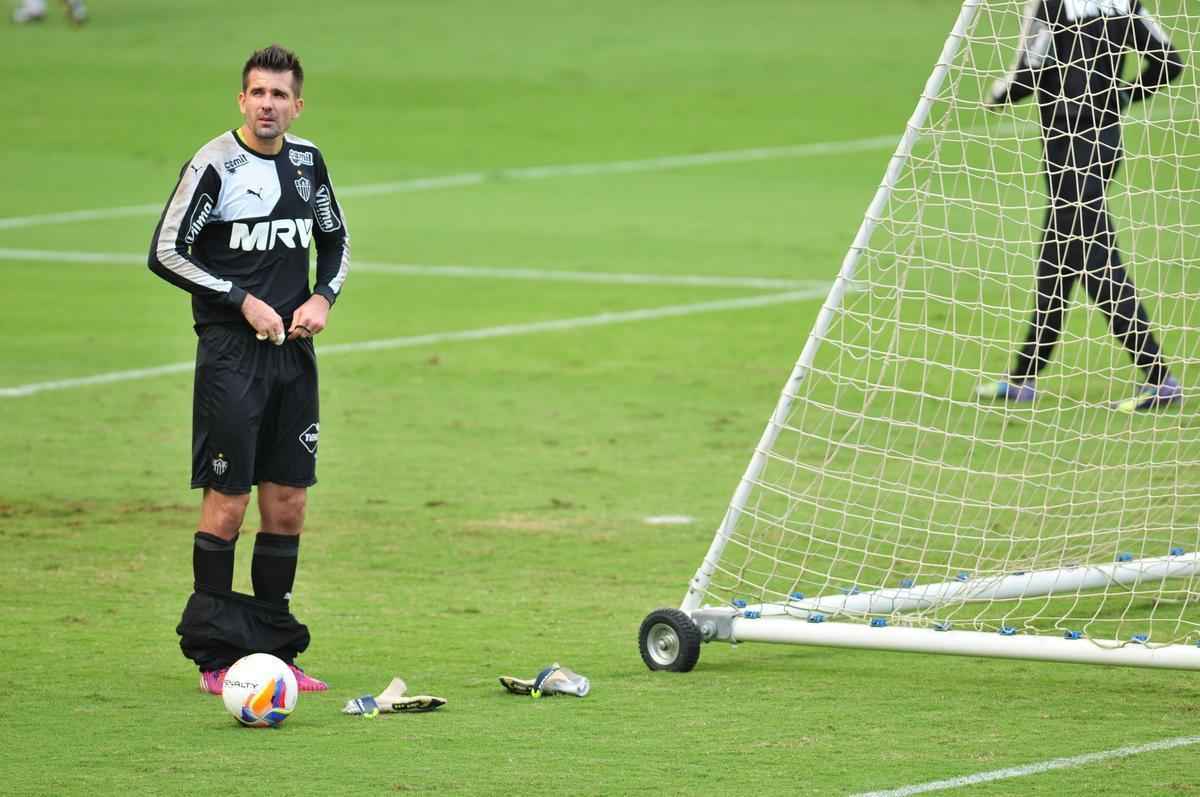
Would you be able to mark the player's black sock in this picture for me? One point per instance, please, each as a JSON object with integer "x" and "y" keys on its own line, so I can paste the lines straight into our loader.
{"x": 212, "y": 562}
{"x": 273, "y": 569}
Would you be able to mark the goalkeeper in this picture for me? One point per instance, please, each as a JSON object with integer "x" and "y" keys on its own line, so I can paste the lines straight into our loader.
{"x": 1070, "y": 58}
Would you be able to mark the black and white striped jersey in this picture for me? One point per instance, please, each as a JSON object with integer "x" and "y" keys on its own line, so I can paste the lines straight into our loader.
{"x": 1071, "y": 55}
{"x": 241, "y": 222}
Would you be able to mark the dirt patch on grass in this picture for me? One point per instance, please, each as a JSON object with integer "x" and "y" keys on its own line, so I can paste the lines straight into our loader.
{"x": 145, "y": 508}
{"x": 537, "y": 524}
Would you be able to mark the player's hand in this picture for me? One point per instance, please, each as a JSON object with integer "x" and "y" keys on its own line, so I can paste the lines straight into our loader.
{"x": 994, "y": 98}
{"x": 262, "y": 316}
{"x": 309, "y": 318}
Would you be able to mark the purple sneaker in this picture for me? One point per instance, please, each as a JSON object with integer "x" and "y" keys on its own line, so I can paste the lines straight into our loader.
{"x": 1152, "y": 397}
{"x": 213, "y": 681}
{"x": 305, "y": 682}
{"x": 1018, "y": 392}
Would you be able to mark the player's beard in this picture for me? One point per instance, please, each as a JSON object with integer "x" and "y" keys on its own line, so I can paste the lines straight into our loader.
{"x": 268, "y": 130}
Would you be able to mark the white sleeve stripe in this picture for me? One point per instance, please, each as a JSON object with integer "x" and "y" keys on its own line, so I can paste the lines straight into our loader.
{"x": 164, "y": 247}
{"x": 344, "y": 268}
{"x": 185, "y": 268}
{"x": 1153, "y": 27}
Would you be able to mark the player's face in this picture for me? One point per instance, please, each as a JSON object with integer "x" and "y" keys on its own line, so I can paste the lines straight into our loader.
{"x": 269, "y": 103}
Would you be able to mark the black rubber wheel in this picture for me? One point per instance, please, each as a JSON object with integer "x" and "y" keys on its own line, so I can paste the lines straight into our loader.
{"x": 669, "y": 640}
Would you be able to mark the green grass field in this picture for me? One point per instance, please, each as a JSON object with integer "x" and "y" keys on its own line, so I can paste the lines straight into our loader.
{"x": 483, "y": 499}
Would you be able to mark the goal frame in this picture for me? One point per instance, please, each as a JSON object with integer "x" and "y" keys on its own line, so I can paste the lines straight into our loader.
{"x": 802, "y": 621}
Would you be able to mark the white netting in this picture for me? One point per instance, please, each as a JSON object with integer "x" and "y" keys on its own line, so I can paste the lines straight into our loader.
{"x": 889, "y": 471}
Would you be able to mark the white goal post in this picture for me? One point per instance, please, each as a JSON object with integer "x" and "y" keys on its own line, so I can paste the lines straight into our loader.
{"x": 895, "y": 500}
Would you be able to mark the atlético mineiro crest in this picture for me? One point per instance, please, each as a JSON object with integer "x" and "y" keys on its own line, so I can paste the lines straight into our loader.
{"x": 220, "y": 465}
{"x": 304, "y": 188}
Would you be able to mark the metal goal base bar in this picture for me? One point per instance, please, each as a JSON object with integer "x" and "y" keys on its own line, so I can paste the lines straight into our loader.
{"x": 717, "y": 624}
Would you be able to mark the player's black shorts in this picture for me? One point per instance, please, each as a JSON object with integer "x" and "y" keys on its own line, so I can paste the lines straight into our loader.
{"x": 254, "y": 411}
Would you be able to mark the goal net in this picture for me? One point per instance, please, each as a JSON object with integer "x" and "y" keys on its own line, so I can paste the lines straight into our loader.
{"x": 885, "y": 492}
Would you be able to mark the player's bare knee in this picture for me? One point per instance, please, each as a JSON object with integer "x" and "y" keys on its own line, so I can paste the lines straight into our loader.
{"x": 232, "y": 511}
{"x": 282, "y": 509}
{"x": 223, "y": 514}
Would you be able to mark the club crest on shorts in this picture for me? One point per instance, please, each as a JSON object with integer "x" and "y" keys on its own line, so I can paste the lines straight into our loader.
{"x": 304, "y": 188}
{"x": 308, "y": 438}
{"x": 220, "y": 465}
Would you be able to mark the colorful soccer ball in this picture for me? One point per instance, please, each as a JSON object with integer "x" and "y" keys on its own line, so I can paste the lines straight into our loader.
{"x": 260, "y": 690}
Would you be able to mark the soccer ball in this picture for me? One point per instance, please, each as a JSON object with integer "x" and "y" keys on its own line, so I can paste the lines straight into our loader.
{"x": 260, "y": 691}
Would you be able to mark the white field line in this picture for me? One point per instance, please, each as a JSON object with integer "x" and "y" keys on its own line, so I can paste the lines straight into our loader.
{"x": 604, "y": 277}
{"x": 669, "y": 520}
{"x": 501, "y": 175}
{"x": 1035, "y": 769}
{"x": 467, "y": 272}
{"x": 70, "y": 216}
{"x": 999, "y": 127}
{"x": 507, "y": 330}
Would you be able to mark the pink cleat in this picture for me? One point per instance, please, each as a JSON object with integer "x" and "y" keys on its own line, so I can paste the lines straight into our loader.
{"x": 212, "y": 681}
{"x": 305, "y": 682}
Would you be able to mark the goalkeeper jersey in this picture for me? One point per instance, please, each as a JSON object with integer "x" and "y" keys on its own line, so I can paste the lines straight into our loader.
{"x": 239, "y": 221}
{"x": 1071, "y": 54}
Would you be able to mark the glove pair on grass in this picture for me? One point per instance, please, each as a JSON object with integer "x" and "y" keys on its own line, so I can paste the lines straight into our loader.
{"x": 553, "y": 680}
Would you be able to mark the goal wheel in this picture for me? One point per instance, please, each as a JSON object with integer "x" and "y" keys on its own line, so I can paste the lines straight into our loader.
{"x": 669, "y": 640}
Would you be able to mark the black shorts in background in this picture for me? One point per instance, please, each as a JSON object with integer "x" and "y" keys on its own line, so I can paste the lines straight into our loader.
{"x": 254, "y": 411}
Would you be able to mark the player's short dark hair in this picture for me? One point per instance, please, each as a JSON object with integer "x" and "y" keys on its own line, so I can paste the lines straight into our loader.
{"x": 275, "y": 59}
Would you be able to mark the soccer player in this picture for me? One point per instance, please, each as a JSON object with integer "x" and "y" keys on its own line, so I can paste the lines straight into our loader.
{"x": 1070, "y": 58}
{"x": 235, "y": 234}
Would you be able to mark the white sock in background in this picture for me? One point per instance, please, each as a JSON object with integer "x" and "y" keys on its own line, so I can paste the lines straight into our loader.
{"x": 35, "y": 8}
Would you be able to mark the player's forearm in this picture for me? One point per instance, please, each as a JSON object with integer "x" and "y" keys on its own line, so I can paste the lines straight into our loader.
{"x": 183, "y": 271}
{"x": 1031, "y": 53}
{"x": 1016, "y": 87}
{"x": 326, "y": 292}
{"x": 331, "y": 278}
{"x": 333, "y": 265}
{"x": 1161, "y": 62}
{"x": 182, "y": 222}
